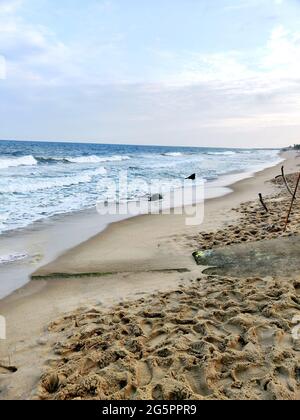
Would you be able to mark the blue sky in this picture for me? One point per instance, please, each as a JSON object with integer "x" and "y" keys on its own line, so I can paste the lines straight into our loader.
{"x": 175, "y": 72}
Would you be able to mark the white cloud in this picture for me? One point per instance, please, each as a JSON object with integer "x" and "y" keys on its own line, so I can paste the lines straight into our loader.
{"x": 31, "y": 52}
{"x": 267, "y": 69}
{"x": 282, "y": 54}
{"x": 198, "y": 68}
{"x": 2, "y": 68}
{"x": 255, "y": 121}
{"x": 9, "y": 6}
{"x": 34, "y": 54}
{"x": 246, "y": 4}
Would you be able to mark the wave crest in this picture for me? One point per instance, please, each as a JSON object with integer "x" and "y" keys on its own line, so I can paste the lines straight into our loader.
{"x": 15, "y": 162}
{"x": 97, "y": 159}
{"x": 6, "y": 259}
{"x": 45, "y": 184}
{"x": 173, "y": 154}
{"x": 227, "y": 153}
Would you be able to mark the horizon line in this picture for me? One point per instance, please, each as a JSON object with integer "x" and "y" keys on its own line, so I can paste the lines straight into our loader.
{"x": 140, "y": 145}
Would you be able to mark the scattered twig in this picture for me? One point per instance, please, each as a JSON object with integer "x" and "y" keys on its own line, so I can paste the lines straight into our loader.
{"x": 285, "y": 181}
{"x": 76, "y": 323}
{"x": 263, "y": 203}
{"x": 292, "y": 203}
{"x": 11, "y": 369}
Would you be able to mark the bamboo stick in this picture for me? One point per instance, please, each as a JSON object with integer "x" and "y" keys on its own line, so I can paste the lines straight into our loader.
{"x": 292, "y": 203}
{"x": 285, "y": 181}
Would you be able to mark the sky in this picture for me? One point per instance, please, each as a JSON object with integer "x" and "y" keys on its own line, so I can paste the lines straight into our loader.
{"x": 222, "y": 73}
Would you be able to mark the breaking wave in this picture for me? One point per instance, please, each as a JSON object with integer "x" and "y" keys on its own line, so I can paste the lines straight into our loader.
{"x": 14, "y": 162}
{"x": 6, "y": 259}
{"x": 227, "y": 153}
{"x": 173, "y": 154}
{"x": 97, "y": 159}
{"x": 22, "y": 187}
{"x": 34, "y": 160}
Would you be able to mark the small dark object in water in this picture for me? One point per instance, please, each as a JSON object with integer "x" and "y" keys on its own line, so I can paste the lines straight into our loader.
{"x": 156, "y": 197}
{"x": 192, "y": 177}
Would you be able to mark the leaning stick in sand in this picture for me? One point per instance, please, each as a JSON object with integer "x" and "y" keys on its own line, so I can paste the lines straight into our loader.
{"x": 285, "y": 181}
{"x": 292, "y": 202}
{"x": 263, "y": 203}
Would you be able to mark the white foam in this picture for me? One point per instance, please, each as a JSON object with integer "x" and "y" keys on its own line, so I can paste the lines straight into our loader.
{"x": 173, "y": 154}
{"x": 45, "y": 184}
{"x": 14, "y": 162}
{"x": 9, "y": 258}
{"x": 227, "y": 153}
{"x": 97, "y": 159}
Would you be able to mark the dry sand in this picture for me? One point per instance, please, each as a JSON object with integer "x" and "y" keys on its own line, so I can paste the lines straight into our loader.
{"x": 216, "y": 336}
{"x": 219, "y": 338}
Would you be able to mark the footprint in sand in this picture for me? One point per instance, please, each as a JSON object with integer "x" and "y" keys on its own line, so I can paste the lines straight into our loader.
{"x": 146, "y": 328}
{"x": 297, "y": 288}
{"x": 197, "y": 380}
{"x": 157, "y": 393}
{"x": 266, "y": 336}
{"x": 157, "y": 338}
{"x": 143, "y": 374}
{"x": 284, "y": 377}
{"x": 234, "y": 328}
{"x": 248, "y": 372}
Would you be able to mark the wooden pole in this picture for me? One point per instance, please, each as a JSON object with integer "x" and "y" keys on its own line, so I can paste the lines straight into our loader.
{"x": 285, "y": 181}
{"x": 292, "y": 203}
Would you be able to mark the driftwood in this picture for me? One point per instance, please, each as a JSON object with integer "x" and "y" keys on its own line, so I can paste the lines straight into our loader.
{"x": 11, "y": 369}
{"x": 285, "y": 181}
{"x": 192, "y": 177}
{"x": 155, "y": 197}
{"x": 263, "y": 203}
{"x": 292, "y": 203}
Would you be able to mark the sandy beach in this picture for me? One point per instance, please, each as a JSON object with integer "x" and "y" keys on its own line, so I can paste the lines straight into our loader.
{"x": 129, "y": 314}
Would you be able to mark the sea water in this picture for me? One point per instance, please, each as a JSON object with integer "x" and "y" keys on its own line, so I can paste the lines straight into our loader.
{"x": 39, "y": 180}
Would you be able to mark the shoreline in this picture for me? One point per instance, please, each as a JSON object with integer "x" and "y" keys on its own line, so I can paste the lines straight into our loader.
{"x": 142, "y": 250}
{"x": 95, "y": 247}
{"x": 43, "y": 233}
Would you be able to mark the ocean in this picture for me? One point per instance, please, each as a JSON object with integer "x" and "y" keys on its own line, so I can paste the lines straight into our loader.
{"x": 39, "y": 180}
